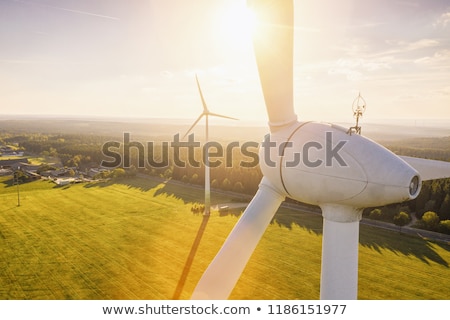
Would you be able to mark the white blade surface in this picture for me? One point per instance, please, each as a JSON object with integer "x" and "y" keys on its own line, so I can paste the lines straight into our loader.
{"x": 429, "y": 169}
{"x": 220, "y": 116}
{"x": 224, "y": 271}
{"x": 205, "y": 108}
{"x": 196, "y": 121}
{"x": 273, "y": 41}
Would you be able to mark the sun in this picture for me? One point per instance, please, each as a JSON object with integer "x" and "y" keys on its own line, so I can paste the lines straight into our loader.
{"x": 237, "y": 22}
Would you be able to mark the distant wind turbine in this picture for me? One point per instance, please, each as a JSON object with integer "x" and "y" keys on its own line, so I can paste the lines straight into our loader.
{"x": 206, "y": 113}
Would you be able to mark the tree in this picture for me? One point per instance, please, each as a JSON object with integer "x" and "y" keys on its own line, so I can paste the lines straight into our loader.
{"x": 238, "y": 187}
{"x": 226, "y": 184}
{"x": 423, "y": 197}
{"x": 402, "y": 218}
{"x": 194, "y": 179}
{"x": 168, "y": 173}
{"x": 74, "y": 161}
{"x": 444, "y": 210}
{"x": 444, "y": 226}
{"x": 118, "y": 173}
{"x": 388, "y": 212}
{"x": 132, "y": 171}
{"x": 430, "y": 220}
{"x": 430, "y": 205}
{"x": 52, "y": 152}
{"x": 214, "y": 184}
{"x": 20, "y": 176}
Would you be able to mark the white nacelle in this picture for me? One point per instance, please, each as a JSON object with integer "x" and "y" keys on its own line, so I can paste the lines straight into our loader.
{"x": 319, "y": 163}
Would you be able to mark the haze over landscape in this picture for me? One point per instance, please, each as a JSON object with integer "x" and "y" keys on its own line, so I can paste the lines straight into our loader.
{"x": 138, "y": 59}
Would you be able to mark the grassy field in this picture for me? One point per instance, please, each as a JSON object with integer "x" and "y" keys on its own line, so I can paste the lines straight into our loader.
{"x": 132, "y": 240}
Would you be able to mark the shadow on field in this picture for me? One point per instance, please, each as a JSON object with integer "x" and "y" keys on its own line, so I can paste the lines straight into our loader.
{"x": 374, "y": 238}
{"x": 190, "y": 259}
{"x": 160, "y": 186}
{"x": 62, "y": 187}
{"x": 288, "y": 218}
{"x": 236, "y": 212}
{"x": 137, "y": 183}
{"x": 378, "y": 240}
{"x": 9, "y": 183}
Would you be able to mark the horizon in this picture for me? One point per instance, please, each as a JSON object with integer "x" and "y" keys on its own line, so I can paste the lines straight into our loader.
{"x": 222, "y": 122}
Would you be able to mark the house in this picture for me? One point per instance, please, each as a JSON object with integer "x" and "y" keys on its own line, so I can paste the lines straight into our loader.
{"x": 64, "y": 182}
{"x": 29, "y": 167}
{"x": 7, "y": 151}
{"x": 12, "y": 163}
{"x": 95, "y": 171}
{"x": 6, "y": 172}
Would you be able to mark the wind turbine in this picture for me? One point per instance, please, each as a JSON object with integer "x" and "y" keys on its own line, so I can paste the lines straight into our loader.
{"x": 206, "y": 113}
{"x": 364, "y": 175}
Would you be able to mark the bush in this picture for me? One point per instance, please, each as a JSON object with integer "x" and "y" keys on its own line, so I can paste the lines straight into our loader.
{"x": 197, "y": 208}
{"x": 402, "y": 218}
{"x": 375, "y": 214}
{"x": 430, "y": 220}
{"x": 444, "y": 226}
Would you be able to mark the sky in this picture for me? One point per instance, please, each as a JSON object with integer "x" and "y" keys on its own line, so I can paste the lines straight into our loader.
{"x": 138, "y": 58}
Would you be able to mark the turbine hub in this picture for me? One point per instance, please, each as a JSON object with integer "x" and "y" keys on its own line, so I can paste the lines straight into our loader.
{"x": 319, "y": 163}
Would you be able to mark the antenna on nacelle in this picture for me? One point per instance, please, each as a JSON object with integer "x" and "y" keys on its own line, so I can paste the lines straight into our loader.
{"x": 359, "y": 107}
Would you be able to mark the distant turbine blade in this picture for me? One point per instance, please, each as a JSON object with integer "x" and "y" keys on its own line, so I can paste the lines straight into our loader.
{"x": 196, "y": 121}
{"x": 205, "y": 108}
{"x": 224, "y": 271}
{"x": 273, "y": 42}
{"x": 220, "y": 116}
{"x": 429, "y": 169}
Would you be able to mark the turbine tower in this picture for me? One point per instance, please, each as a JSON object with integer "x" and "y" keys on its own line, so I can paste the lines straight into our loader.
{"x": 206, "y": 113}
{"x": 316, "y": 163}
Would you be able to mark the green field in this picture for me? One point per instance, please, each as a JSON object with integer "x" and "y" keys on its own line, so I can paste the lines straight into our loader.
{"x": 132, "y": 239}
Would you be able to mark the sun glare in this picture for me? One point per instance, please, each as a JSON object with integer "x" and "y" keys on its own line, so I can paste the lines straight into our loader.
{"x": 237, "y": 23}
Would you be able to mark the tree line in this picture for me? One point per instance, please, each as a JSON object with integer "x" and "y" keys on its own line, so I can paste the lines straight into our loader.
{"x": 431, "y": 208}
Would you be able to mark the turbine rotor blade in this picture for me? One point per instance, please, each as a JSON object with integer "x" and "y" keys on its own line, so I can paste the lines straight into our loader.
{"x": 221, "y": 116}
{"x": 196, "y": 121}
{"x": 205, "y": 108}
{"x": 429, "y": 169}
{"x": 224, "y": 271}
{"x": 273, "y": 42}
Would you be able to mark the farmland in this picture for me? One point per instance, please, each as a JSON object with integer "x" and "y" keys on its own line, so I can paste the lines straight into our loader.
{"x": 131, "y": 239}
